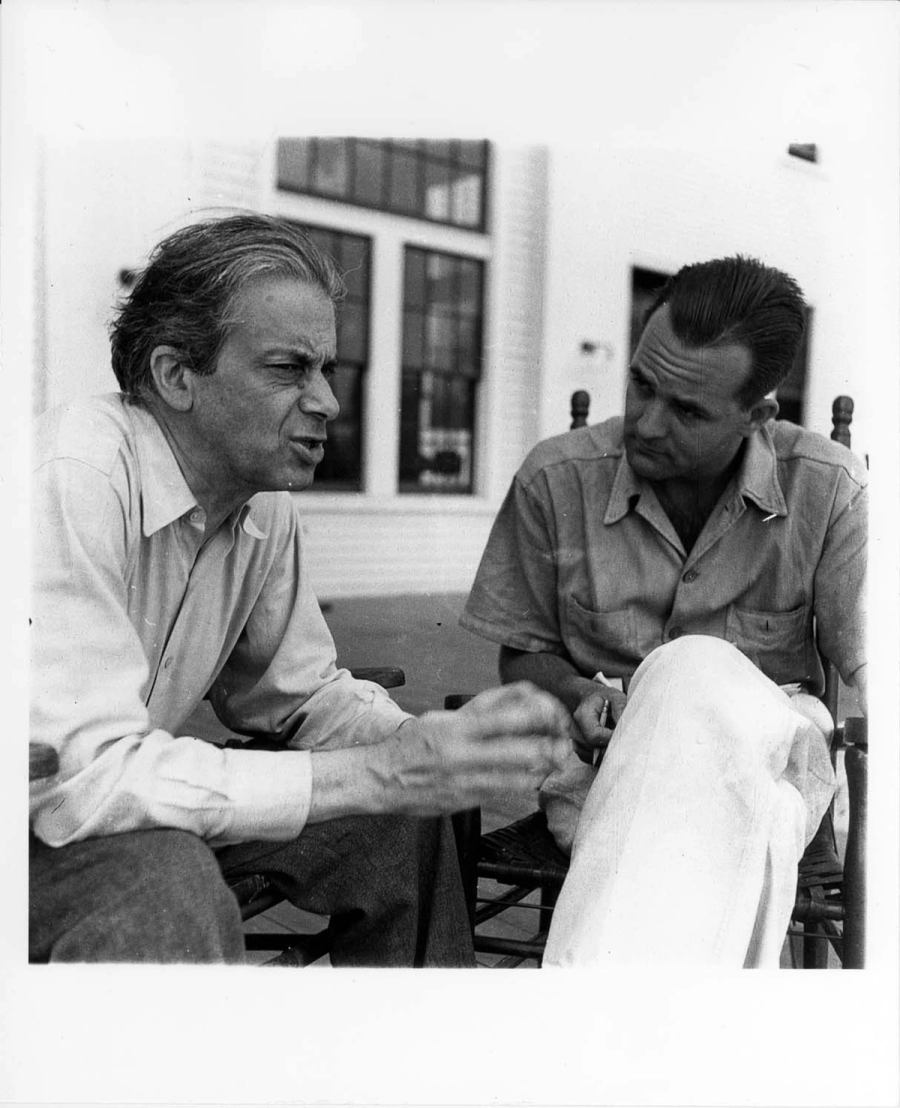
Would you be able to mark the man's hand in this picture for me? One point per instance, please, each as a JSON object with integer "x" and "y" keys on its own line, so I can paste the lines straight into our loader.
{"x": 505, "y": 739}
{"x": 596, "y": 716}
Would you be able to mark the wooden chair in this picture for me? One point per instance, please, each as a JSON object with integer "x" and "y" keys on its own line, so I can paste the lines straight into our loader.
{"x": 255, "y": 893}
{"x": 523, "y": 859}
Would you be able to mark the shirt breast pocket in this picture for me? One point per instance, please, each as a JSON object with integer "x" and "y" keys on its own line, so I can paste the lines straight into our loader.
{"x": 600, "y": 640}
{"x": 777, "y": 642}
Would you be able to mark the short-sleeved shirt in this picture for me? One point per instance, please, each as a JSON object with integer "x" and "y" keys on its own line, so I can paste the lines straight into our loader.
{"x": 137, "y": 615}
{"x": 583, "y": 562}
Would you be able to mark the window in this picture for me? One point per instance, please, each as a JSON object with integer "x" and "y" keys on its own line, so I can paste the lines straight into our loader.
{"x": 341, "y": 468}
{"x": 791, "y": 393}
{"x": 645, "y": 284}
{"x": 442, "y": 325}
{"x": 439, "y": 181}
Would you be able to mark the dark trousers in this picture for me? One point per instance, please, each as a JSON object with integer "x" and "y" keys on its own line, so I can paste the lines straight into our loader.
{"x": 391, "y": 886}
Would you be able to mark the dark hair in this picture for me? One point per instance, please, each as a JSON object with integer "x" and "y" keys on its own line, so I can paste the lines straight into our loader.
{"x": 184, "y": 295}
{"x": 738, "y": 300}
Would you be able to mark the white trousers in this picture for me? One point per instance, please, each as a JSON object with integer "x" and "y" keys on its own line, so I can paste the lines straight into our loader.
{"x": 687, "y": 847}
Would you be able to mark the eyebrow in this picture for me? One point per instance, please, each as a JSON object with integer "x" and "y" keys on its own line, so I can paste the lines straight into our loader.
{"x": 686, "y": 405}
{"x": 300, "y": 353}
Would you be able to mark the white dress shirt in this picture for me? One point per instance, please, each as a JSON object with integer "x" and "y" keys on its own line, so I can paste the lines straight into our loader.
{"x": 135, "y": 620}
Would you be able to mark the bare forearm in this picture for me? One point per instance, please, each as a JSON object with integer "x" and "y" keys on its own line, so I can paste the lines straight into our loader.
{"x": 505, "y": 739}
{"x": 351, "y": 782}
{"x": 547, "y": 671}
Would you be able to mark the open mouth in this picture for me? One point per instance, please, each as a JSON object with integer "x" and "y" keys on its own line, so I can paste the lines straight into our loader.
{"x": 313, "y": 449}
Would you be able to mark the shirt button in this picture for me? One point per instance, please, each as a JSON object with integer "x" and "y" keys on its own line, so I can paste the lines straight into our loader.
{"x": 691, "y": 575}
{"x": 674, "y": 632}
{"x": 168, "y": 662}
{"x": 195, "y": 516}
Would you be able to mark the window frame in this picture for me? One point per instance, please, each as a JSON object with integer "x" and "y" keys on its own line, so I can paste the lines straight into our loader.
{"x": 388, "y": 146}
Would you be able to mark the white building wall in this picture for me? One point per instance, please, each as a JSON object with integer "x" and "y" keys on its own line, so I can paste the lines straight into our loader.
{"x": 104, "y": 205}
{"x": 614, "y": 208}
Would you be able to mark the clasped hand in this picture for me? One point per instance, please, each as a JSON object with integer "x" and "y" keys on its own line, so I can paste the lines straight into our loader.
{"x": 506, "y": 739}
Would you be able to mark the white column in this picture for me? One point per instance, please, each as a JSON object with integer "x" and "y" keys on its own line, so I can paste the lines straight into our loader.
{"x": 381, "y": 388}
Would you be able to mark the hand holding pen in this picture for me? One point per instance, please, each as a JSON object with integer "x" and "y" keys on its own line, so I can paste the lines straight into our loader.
{"x": 596, "y": 717}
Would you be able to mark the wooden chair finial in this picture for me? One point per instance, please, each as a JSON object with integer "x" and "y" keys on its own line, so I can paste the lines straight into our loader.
{"x": 581, "y": 403}
{"x": 841, "y": 417}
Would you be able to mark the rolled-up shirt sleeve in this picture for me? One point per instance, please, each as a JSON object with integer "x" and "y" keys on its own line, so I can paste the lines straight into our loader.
{"x": 840, "y": 579}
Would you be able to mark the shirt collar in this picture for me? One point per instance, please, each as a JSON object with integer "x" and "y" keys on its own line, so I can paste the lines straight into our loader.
{"x": 165, "y": 495}
{"x": 757, "y": 480}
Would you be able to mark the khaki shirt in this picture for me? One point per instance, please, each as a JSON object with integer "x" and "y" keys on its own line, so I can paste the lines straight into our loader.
{"x": 583, "y": 562}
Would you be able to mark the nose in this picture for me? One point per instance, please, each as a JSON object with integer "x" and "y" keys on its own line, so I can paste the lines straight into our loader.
{"x": 317, "y": 397}
{"x": 651, "y": 422}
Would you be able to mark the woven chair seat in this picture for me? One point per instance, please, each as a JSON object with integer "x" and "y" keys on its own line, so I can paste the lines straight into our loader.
{"x": 525, "y": 851}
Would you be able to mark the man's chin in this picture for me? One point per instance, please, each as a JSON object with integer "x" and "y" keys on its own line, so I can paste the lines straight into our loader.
{"x": 298, "y": 482}
{"x": 644, "y": 464}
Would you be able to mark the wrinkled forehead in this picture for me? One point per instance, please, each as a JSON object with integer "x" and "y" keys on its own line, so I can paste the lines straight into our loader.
{"x": 283, "y": 309}
{"x": 716, "y": 371}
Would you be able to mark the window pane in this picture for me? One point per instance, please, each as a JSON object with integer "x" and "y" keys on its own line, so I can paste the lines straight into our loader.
{"x": 409, "y": 429}
{"x": 440, "y": 342}
{"x": 438, "y": 148}
{"x": 414, "y": 278}
{"x": 437, "y": 414}
{"x": 352, "y": 333}
{"x": 441, "y": 180}
{"x": 293, "y": 164}
{"x": 469, "y": 301}
{"x": 368, "y": 180}
{"x": 466, "y": 200}
{"x": 472, "y": 154}
{"x": 468, "y": 360}
{"x": 437, "y": 190}
{"x": 414, "y": 339}
{"x": 354, "y": 263}
{"x": 341, "y": 468}
{"x": 436, "y": 439}
{"x": 440, "y": 271}
{"x": 404, "y": 169}
{"x": 331, "y": 166}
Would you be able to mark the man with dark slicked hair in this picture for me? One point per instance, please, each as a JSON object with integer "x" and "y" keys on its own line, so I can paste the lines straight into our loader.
{"x": 672, "y": 576}
{"x": 168, "y": 567}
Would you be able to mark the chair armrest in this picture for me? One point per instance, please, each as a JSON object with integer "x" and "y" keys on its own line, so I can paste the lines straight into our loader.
{"x": 387, "y": 676}
{"x": 856, "y": 731}
{"x": 43, "y": 761}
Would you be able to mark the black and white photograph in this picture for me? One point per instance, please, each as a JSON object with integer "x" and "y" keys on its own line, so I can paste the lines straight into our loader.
{"x": 451, "y": 462}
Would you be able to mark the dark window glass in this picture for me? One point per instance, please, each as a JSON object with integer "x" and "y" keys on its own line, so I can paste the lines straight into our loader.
{"x": 331, "y": 167}
{"x": 404, "y": 174}
{"x": 341, "y": 468}
{"x": 791, "y": 393}
{"x": 443, "y": 181}
{"x": 442, "y": 327}
{"x": 369, "y": 174}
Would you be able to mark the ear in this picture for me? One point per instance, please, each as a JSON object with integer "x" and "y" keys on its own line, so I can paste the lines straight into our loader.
{"x": 761, "y": 412}
{"x": 172, "y": 378}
